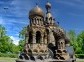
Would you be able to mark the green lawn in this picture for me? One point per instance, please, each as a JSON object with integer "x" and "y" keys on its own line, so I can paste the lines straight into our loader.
{"x": 7, "y": 59}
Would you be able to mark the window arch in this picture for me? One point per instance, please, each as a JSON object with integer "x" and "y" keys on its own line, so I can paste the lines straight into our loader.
{"x": 47, "y": 32}
{"x": 61, "y": 45}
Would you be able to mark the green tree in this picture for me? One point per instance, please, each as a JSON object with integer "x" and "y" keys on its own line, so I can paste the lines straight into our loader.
{"x": 80, "y": 41}
{"x": 15, "y": 48}
{"x": 22, "y": 36}
{"x": 22, "y": 33}
{"x": 21, "y": 45}
{"x": 73, "y": 40}
{"x": 2, "y": 31}
{"x": 3, "y": 40}
{"x": 6, "y": 43}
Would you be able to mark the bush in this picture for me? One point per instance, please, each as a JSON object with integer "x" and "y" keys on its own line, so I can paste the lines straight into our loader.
{"x": 8, "y": 55}
{"x": 79, "y": 55}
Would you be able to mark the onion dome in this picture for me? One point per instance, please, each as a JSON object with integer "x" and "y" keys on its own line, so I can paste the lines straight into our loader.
{"x": 36, "y": 11}
{"x": 48, "y": 15}
{"x": 48, "y": 5}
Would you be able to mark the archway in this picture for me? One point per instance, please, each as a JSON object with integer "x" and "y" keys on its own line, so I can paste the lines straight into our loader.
{"x": 61, "y": 45}
{"x": 38, "y": 37}
{"x": 30, "y": 37}
{"x": 47, "y": 31}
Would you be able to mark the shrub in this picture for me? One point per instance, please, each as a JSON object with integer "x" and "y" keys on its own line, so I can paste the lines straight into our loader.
{"x": 79, "y": 55}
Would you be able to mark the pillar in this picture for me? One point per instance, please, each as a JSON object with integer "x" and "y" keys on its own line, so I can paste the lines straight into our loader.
{"x": 26, "y": 37}
{"x": 49, "y": 37}
{"x": 42, "y": 38}
{"x": 34, "y": 38}
{"x": 34, "y": 21}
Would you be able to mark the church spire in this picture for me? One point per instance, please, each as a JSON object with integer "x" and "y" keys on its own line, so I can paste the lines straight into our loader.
{"x": 48, "y": 7}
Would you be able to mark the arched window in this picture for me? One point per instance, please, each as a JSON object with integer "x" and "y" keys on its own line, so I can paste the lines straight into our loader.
{"x": 50, "y": 20}
{"x": 47, "y": 31}
{"x": 59, "y": 45}
{"x": 38, "y": 21}
{"x": 35, "y": 21}
{"x": 30, "y": 37}
{"x": 46, "y": 18}
{"x": 38, "y": 37}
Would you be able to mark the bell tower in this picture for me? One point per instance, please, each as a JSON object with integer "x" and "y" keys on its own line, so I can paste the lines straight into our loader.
{"x": 36, "y": 16}
{"x": 36, "y": 31}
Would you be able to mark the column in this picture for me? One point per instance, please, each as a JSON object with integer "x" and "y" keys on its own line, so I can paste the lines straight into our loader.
{"x": 34, "y": 21}
{"x": 31, "y": 21}
{"x": 49, "y": 37}
{"x": 42, "y": 38}
{"x": 26, "y": 47}
{"x": 34, "y": 38}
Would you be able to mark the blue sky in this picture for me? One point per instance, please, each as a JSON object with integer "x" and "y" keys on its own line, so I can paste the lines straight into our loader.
{"x": 14, "y": 14}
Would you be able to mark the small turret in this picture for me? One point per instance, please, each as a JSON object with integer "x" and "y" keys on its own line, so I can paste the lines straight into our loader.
{"x": 48, "y": 7}
{"x": 49, "y": 17}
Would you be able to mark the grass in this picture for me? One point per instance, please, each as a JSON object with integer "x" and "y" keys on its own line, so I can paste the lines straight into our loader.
{"x": 7, "y": 59}
{"x": 79, "y": 60}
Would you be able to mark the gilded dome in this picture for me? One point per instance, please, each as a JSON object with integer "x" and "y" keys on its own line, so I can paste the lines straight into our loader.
{"x": 36, "y": 11}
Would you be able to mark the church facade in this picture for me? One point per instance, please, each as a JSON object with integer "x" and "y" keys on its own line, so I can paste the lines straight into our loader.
{"x": 44, "y": 36}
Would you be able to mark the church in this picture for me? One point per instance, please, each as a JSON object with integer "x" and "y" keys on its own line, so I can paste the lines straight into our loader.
{"x": 44, "y": 38}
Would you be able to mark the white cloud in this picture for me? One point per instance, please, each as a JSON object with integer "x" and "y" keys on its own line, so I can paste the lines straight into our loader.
{"x": 15, "y": 40}
{"x": 1, "y": 21}
{"x": 12, "y": 21}
{"x": 21, "y": 7}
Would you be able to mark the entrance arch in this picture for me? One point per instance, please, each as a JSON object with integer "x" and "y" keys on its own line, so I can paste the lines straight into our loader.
{"x": 38, "y": 37}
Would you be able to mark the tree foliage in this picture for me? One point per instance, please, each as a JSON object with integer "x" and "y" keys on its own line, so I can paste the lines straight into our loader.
{"x": 80, "y": 41}
{"x": 77, "y": 41}
{"x": 6, "y": 43}
{"x": 2, "y": 31}
{"x": 22, "y": 33}
{"x": 21, "y": 45}
{"x": 22, "y": 36}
